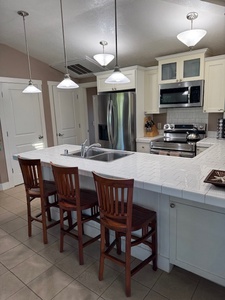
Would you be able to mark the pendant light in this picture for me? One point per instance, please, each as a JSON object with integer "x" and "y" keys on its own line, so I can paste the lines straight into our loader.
{"x": 104, "y": 58}
{"x": 30, "y": 89}
{"x": 117, "y": 76}
{"x": 66, "y": 83}
{"x": 191, "y": 37}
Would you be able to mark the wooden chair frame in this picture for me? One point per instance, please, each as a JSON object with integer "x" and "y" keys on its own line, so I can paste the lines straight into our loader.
{"x": 36, "y": 187}
{"x": 119, "y": 214}
{"x": 73, "y": 198}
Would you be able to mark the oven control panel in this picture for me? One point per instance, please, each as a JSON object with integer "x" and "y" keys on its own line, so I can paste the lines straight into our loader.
{"x": 181, "y": 127}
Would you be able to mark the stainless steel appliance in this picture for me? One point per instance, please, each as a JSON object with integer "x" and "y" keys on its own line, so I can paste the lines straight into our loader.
{"x": 221, "y": 129}
{"x": 174, "y": 141}
{"x": 114, "y": 120}
{"x": 181, "y": 94}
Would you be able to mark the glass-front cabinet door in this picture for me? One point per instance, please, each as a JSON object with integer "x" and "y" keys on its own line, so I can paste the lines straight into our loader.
{"x": 182, "y": 67}
{"x": 169, "y": 71}
{"x": 191, "y": 68}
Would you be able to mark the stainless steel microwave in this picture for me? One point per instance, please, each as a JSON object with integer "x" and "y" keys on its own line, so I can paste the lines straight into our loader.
{"x": 181, "y": 94}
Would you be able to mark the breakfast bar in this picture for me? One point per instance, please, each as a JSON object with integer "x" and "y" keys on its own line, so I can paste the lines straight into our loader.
{"x": 190, "y": 212}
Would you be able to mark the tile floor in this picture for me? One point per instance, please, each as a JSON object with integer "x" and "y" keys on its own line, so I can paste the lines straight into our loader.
{"x": 31, "y": 270}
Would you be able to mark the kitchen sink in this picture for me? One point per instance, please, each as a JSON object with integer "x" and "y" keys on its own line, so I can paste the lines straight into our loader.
{"x": 110, "y": 156}
{"x": 100, "y": 154}
{"x": 91, "y": 152}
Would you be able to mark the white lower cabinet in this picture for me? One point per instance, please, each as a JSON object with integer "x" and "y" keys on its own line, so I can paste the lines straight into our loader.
{"x": 197, "y": 239}
{"x": 143, "y": 147}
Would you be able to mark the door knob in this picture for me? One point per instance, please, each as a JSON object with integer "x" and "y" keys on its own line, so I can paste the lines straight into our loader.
{"x": 61, "y": 134}
{"x": 172, "y": 205}
{"x": 40, "y": 137}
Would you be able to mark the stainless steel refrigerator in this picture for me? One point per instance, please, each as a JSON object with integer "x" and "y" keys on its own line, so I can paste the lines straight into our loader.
{"x": 115, "y": 120}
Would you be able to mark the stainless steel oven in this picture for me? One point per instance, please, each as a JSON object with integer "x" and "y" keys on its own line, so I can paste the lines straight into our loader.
{"x": 174, "y": 141}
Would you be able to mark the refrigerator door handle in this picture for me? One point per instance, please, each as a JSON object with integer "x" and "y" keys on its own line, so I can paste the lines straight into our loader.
{"x": 115, "y": 123}
{"x": 109, "y": 120}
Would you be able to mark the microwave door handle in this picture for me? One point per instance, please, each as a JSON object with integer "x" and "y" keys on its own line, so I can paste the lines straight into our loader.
{"x": 189, "y": 94}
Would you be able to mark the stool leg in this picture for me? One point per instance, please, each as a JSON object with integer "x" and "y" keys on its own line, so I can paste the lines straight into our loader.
{"x": 44, "y": 225}
{"x": 154, "y": 245}
{"x": 127, "y": 265}
{"x": 80, "y": 230}
{"x": 61, "y": 212}
{"x": 29, "y": 216}
{"x": 118, "y": 243}
{"x": 102, "y": 250}
{"x": 48, "y": 209}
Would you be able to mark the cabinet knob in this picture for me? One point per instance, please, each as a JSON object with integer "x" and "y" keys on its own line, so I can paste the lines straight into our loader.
{"x": 172, "y": 205}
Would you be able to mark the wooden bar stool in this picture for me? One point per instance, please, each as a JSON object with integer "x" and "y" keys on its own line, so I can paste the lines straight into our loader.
{"x": 119, "y": 214}
{"x": 36, "y": 187}
{"x": 73, "y": 198}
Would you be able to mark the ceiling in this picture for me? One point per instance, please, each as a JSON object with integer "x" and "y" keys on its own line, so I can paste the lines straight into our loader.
{"x": 146, "y": 29}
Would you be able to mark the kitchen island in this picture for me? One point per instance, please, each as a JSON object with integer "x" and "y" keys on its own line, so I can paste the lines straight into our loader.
{"x": 191, "y": 213}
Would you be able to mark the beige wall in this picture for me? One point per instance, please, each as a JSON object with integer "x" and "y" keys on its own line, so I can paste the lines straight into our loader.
{"x": 14, "y": 64}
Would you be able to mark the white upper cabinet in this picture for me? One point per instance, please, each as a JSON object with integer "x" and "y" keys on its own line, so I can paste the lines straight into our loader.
{"x": 180, "y": 67}
{"x": 107, "y": 87}
{"x": 151, "y": 104}
{"x": 214, "y": 98}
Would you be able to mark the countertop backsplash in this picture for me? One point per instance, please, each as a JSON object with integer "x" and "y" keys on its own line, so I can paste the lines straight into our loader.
{"x": 186, "y": 115}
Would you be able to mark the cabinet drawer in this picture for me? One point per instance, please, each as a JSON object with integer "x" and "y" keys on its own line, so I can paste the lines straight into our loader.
{"x": 143, "y": 147}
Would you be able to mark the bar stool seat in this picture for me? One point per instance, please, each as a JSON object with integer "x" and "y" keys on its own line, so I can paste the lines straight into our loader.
{"x": 73, "y": 198}
{"x": 36, "y": 187}
{"x": 119, "y": 214}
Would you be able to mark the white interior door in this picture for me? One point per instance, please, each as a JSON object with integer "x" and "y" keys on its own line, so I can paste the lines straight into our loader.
{"x": 67, "y": 116}
{"x": 23, "y": 125}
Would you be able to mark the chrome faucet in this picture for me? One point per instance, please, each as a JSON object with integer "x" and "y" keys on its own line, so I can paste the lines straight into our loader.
{"x": 82, "y": 150}
{"x": 85, "y": 149}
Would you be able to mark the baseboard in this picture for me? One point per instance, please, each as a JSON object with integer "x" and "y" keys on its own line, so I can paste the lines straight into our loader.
{"x": 4, "y": 186}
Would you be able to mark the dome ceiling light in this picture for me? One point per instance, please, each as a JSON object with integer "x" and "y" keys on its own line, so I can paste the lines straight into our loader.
{"x": 117, "y": 76}
{"x": 66, "y": 83}
{"x": 30, "y": 89}
{"x": 103, "y": 59}
{"x": 191, "y": 37}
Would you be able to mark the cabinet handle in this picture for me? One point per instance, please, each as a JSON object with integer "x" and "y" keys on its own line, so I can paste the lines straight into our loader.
{"x": 40, "y": 137}
{"x": 172, "y": 205}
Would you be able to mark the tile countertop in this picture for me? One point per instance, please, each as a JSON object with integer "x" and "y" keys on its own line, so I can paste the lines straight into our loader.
{"x": 147, "y": 139}
{"x": 174, "y": 176}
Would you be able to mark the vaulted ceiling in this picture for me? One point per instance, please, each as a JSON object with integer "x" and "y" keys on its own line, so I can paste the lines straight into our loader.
{"x": 146, "y": 29}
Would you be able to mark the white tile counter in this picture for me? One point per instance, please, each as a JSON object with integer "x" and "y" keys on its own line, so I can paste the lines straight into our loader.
{"x": 173, "y": 176}
{"x": 148, "y": 139}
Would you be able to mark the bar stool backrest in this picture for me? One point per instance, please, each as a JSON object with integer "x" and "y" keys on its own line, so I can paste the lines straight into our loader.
{"x": 67, "y": 183}
{"x": 115, "y": 199}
